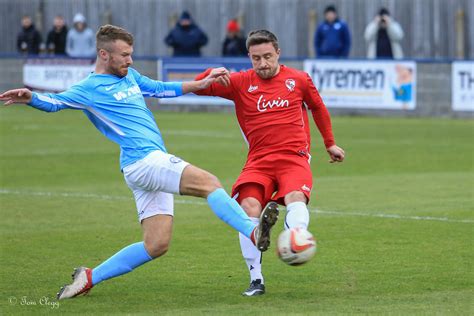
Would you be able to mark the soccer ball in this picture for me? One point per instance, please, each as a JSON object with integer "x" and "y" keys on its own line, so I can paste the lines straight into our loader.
{"x": 296, "y": 246}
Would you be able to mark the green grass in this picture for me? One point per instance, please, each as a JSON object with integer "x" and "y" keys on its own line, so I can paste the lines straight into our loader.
{"x": 394, "y": 222}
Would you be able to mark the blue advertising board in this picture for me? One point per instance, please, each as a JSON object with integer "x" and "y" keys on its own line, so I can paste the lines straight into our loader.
{"x": 186, "y": 69}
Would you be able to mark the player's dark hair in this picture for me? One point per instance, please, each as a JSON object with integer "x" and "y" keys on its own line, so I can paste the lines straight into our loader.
{"x": 110, "y": 33}
{"x": 260, "y": 37}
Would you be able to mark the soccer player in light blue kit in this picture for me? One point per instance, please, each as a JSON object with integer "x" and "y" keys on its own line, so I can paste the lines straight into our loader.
{"x": 112, "y": 98}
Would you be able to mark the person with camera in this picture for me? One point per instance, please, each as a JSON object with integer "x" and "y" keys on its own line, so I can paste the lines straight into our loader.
{"x": 383, "y": 36}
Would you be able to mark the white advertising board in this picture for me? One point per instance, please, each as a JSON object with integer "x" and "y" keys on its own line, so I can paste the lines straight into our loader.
{"x": 462, "y": 85}
{"x": 365, "y": 84}
{"x": 53, "y": 75}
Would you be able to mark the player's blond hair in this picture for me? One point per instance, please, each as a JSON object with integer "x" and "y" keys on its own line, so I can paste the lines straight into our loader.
{"x": 108, "y": 34}
{"x": 260, "y": 37}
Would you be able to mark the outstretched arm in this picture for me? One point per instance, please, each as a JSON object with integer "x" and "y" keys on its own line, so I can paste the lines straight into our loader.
{"x": 159, "y": 89}
{"x": 75, "y": 98}
{"x": 219, "y": 75}
{"x": 223, "y": 86}
{"x": 16, "y": 96}
{"x": 27, "y": 97}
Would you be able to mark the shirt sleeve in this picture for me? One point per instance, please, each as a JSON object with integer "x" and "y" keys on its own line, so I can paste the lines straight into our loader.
{"x": 157, "y": 89}
{"x": 319, "y": 111}
{"x": 77, "y": 97}
{"x": 216, "y": 89}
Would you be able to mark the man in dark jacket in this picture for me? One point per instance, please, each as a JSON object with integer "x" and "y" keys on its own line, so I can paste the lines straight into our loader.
{"x": 234, "y": 43}
{"x": 186, "y": 37}
{"x": 56, "y": 40}
{"x": 29, "y": 39}
{"x": 332, "y": 38}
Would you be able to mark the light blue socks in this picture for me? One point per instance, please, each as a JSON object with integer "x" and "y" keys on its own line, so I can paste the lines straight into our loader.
{"x": 122, "y": 262}
{"x": 229, "y": 211}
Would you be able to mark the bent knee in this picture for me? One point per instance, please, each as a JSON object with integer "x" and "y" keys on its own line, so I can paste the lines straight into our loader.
{"x": 251, "y": 206}
{"x": 156, "y": 249}
{"x": 295, "y": 196}
{"x": 210, "y": 183}
{"x": 213, "y": 182}
{"x": 198, "y": 182}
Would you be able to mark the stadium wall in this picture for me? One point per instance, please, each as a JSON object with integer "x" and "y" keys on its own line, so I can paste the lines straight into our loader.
{"x": 433, "y": 97}
{"x": 429, "y": 25}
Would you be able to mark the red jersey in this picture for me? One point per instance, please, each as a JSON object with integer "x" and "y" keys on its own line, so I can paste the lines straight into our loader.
{"x": 271, "y": 112}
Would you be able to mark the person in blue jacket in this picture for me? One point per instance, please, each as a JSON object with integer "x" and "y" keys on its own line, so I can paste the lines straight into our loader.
{"x": 332, "y": 38}
{"x": 186, "y": 37}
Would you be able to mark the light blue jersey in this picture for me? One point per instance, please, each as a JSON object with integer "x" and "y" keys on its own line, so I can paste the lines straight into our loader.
{"x": 120, "y": 100}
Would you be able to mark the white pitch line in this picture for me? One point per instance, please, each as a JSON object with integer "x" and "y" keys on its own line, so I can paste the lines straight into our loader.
{"x": 199, "y": 202}
{"x": 394, "y": 216}
{"x": 65, "y": 194}
{"x": 194, "y": 133}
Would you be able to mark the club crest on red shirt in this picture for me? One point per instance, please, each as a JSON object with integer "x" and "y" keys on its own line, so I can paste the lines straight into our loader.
{"x": 290, "y": 84}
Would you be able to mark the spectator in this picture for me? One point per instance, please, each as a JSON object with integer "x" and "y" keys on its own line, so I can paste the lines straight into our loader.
{"x": 80, "y": 40}
{"x": 234, "y": 43}
{"x": 56, "y": 40}
{"x": 332, "y": 38}
{"x": 29, "y": 39}
{"x": 383, "y": 36}
{"x": 186, "y": 37}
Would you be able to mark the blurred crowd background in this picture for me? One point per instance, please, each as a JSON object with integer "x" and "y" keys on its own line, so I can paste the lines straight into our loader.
{"x": 420, "y": 29}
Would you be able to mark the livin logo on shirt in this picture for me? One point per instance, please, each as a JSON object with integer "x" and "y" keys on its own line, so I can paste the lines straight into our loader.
{"x": 263, "y": 104}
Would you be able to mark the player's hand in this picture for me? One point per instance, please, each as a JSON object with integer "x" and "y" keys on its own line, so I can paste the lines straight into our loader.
{"x": 336, "y": 153}
{"x": 220, "y": 75}
{"x": 16, "y": 96}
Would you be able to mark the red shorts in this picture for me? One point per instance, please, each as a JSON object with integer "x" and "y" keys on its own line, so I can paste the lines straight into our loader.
{"x": 272, "y": 177}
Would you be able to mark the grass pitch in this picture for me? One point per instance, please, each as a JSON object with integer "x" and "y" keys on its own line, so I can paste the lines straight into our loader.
{"x": 394, "y": 222}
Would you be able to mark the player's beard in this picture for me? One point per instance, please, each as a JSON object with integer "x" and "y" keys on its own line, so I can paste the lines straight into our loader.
{"x": 120, "y": 71}
{"x": 118, "y": 68}
{"x": 267, "y": 73}
{"x": 124, "y": 71}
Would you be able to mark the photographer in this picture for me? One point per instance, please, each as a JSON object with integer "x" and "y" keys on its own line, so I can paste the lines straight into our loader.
{"x": 383, "y": 36}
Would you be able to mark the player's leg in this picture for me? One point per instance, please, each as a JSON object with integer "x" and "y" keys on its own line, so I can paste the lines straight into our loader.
{"x": 250, "y": 196}
{"x": 200, "y": 183}
{"x": 295, "y": 183}
{"x": 297, "y": 213}
{"x": 155, "y": 210}
{"x": 156, "y": 239}
{"x": 164, "y": 172}
{"x": 252, "y": 256}
{"x": 155, "y": 213}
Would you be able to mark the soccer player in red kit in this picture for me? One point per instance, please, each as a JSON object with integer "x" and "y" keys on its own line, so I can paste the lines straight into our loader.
{"x": 270, "y": 103}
